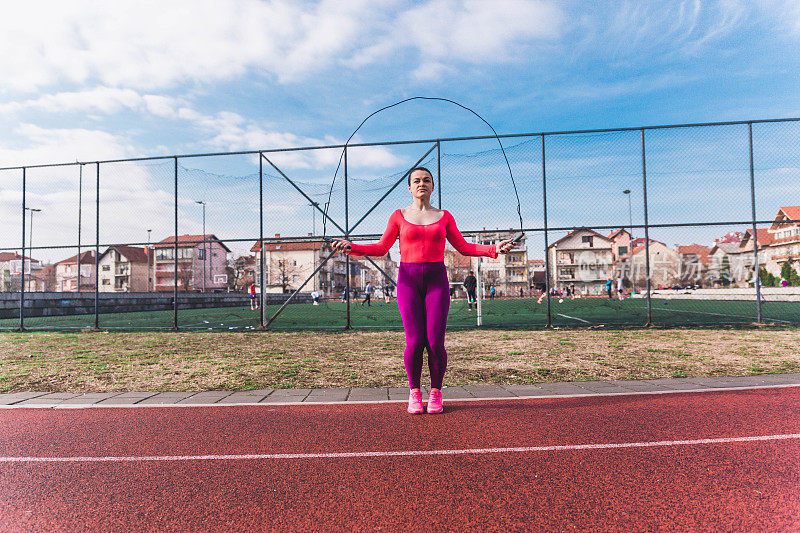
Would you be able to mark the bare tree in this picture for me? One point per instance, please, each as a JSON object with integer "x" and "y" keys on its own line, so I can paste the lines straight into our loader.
{"x": 282, "y": 273}
{"x": 185, "y": 275}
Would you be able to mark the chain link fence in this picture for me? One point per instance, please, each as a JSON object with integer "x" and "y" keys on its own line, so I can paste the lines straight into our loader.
{"x": 624, "y": 227}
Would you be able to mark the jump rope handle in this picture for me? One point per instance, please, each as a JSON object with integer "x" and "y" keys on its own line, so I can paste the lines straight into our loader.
{"x": 518, "y": 237}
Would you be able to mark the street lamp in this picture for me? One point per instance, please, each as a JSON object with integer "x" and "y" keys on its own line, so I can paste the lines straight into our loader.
{"x": 627, "y": 192}
{"x": 314, "y": 205}
{"x": 30, "y": 242}
{"x": 205, "y": 252}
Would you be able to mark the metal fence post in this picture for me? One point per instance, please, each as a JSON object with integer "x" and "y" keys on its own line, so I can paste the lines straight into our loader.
{"x": 757, "y": 280}
{"x": 22, "y": 270}
{"x": 261, "y": 235}
{"x": 96, "y": 251}
{"x": 347, "y": 237}
{"x": 546, "y": 246}
{"x": 80, "y": 207}
{"x": 646, "y": 235}
{"x": 439, "y": 171}
{"x": 175, "y": 255}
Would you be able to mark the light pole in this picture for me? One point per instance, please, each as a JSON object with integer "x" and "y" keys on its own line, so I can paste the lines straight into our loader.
{"x": 148, "y": 259}
{"x": 30, "y": 242}
{"x": 627, "y": 192}
{"x": 205, "y": 252}
{"x": 314, "y": 206}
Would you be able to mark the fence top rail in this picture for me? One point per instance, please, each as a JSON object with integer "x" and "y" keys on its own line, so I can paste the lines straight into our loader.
{"x": 417, "y": 141}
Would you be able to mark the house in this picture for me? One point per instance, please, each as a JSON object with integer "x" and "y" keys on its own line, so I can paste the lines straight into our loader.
{"x": 582, "y": 259}
{"x": 244, "y": 272}
{"x": 202, "y": 262}
{"x": 11, "y": 273}
{"x": 288, "y": 264}
{"x": 725, "y": 265}
{"x": 620, "y": 243}
{"x": 508, "y": 272}
{"x": 785, "y": 245}
{"x": 76, "y": 274}
{"x": 125, "y": 269}
{"x": 694, "y": 261}
{"x": 665, "y": 266}
{"x": 763, "y": 240}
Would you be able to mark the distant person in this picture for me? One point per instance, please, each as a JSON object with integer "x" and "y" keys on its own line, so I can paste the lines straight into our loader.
{"x": 471, "y": 284}
{"x": 367, "y": 294}
{"x": 315, "y": 297}
{"x": 620, "y": 289}
{"x": 344, "y": 295}
{"x": 609, "y": 288}
{"x": 387, "y": 294}
{"x": 253, "y": 300}
{"x": 492, "y": 292}
{"x": 521, "y": 293}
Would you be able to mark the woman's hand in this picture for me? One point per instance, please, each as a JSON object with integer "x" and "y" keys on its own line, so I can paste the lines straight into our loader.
{"x": 340, "y": 245}
{"x": 504, "y": 246}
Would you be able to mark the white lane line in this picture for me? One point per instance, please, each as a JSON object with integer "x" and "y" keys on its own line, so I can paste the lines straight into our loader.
{"x": 574, "y": 318}
{"x": 401, "y": 453}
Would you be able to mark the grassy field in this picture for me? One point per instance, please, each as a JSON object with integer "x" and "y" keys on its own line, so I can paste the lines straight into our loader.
{"x": 512, "y": 313}
{"x": 202, "y": 360}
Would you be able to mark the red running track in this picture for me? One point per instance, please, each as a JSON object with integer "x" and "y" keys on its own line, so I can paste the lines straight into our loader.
{"x": 742, "y": 485}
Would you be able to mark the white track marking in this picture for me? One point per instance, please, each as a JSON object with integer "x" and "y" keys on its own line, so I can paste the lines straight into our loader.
{"x": 574, "y": 318}
{"x": 346, "y": 455}
{"x": 716, "y": 314}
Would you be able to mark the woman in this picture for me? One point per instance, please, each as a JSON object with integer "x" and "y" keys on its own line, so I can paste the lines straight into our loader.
{"x": 422, "y": 288}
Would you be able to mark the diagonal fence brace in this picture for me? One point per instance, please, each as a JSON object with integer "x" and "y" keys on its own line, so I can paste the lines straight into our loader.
{"x": 315, "y": 204}
{"x": 295, "y": 293}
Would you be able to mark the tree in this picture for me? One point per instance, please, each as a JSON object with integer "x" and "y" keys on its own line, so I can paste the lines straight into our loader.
{"x": 282, "y": 272}
{"x": 185, "y": 275}
{"x": 725, "y": 271}
{"x": 789, "y": 274}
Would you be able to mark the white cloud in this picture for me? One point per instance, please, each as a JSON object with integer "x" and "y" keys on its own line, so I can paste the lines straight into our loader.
{"x": 43, "y": 146}
{"x": 108, "y": 100}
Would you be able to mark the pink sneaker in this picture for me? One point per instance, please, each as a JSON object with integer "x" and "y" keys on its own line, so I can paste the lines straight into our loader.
{"x": 415, "y": 402}
{"x": 435, "y": 402}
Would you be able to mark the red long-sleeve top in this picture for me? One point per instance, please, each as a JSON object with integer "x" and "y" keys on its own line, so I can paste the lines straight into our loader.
{"x": 422, "y": 243}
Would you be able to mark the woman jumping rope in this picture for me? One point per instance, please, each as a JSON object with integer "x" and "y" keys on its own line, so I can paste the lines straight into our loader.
{"x": 422, "y": 287}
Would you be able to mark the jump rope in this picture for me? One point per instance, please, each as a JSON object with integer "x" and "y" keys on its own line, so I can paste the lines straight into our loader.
{"x": 515, "y": 239}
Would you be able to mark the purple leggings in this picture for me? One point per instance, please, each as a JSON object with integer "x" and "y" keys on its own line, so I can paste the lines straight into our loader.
{"x": 423, "y": 295}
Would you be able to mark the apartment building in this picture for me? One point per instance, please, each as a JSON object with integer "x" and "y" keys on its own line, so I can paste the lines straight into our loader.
{"x": 125, "y": 269}
{"x": 582, "y": 259}
{"x": 202, "y": 263}
{"x": 509, "y": 272}
{"x": 785, "y": 245}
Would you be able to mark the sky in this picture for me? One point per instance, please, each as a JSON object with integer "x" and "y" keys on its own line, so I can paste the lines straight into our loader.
{"x": 87, "y": 81}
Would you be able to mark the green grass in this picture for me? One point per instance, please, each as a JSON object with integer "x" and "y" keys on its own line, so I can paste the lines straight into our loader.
{"x": 496, "y": 313}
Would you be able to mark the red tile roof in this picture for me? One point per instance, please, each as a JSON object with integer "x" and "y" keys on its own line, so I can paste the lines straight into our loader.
{"x": 615, "y": 233}
{"x": 131, "y": 253}
{"x": 189, "y": 240}
{"x": 764, "y": 237}
{"x": 288, "y": 246}
{"x": 696, "y": 249}
{"x": 86, "y": 258}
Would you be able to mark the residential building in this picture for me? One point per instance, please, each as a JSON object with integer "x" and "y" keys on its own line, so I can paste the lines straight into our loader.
{"x": 725, "y": 265}
{"x": 76, "y": 274}
{"x": 763, "y": 241}
{"x": 620, "y": 243}
{"x": 694, "y": 261}
{"x": 508, "y": 272}
{"x": 785, "y": 245}
{"x": 124, "y": 269}
{"x": 202, "y": 262}
{"x": 11, "y": 273}
{"x": 537, "y": 273}
{"x": 288, "y": 264}
{"x": 665, "y": 267}
{"x": 583, "y": 259}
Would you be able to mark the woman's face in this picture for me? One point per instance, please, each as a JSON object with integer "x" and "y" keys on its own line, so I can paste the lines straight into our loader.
{"x": 421, "y": 184}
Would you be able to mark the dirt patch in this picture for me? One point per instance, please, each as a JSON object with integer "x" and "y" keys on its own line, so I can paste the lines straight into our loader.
{"x": 163, "y": 361}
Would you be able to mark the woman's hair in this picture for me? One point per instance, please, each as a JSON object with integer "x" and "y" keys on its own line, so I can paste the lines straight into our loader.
{"x": 414, "y": 170}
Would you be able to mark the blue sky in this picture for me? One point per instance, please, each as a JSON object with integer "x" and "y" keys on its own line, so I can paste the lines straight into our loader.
{"x": 86, "y": 80}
